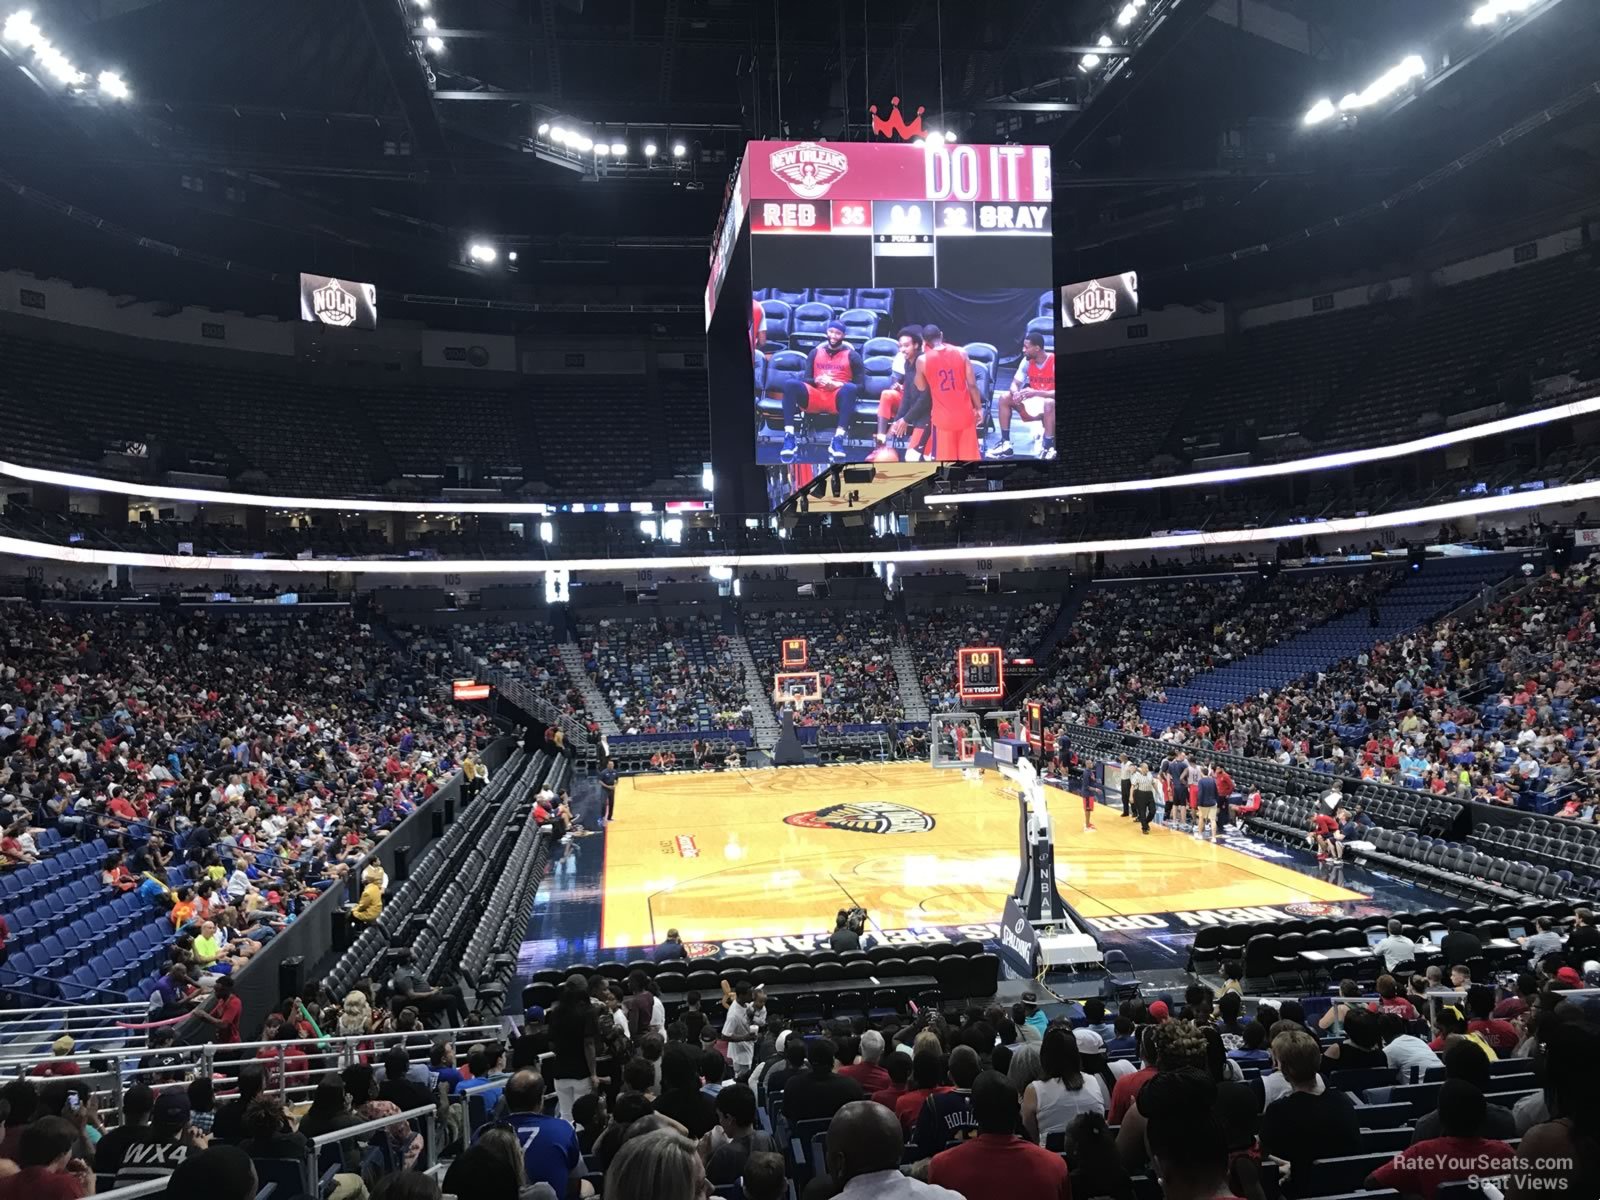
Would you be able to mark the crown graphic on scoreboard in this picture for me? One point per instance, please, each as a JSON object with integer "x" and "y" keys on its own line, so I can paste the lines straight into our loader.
{"x": 896, "y": 126}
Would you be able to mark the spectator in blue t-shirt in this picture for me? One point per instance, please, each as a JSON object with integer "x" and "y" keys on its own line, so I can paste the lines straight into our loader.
{"x": 549, "y": 1144}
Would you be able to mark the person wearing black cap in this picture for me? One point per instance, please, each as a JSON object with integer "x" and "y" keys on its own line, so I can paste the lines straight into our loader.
{"x": 833, "y": 379}
{"x": 155, "y": 1150}
{"x": 215, "y": 1173}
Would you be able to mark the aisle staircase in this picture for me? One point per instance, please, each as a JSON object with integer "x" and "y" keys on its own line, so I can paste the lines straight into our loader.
{"x": 593, "y": 702}
{"x": 910, "y": 681}
{"x": 763, "y": 722}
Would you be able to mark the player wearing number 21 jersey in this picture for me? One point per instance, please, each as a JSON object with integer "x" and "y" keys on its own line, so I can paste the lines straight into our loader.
{"x": 946, "y": 374}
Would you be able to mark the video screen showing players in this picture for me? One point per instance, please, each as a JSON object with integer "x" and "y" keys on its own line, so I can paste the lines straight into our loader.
{"x": 902, "y": 304}
{"x": 902, "y": 374}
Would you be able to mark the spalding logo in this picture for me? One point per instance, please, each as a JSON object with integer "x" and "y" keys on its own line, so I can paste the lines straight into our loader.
{"x": 867, "y": 816}
{"x": 809, "y": 169}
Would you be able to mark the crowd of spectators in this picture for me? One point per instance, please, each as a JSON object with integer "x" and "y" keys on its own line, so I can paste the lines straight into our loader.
{"x": 1131, "y": 643}
{"x": 1495, "y": 705}
{"x": 524, "y": 650}
{"x": 850, "y": 649}
{"x": 233, "y": 767}
{"x": 666, "y": 674}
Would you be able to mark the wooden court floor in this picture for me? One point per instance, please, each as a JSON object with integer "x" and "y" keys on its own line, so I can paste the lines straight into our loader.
{"x": 776, "y": 852}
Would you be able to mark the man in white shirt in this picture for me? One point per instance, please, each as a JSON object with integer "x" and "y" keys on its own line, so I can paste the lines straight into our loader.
{"x": 1408, "y": 1054}
{"x": 739, "y": 1031}
{"x": 1396, "y": 948}
{"x": 865, "y": 1144}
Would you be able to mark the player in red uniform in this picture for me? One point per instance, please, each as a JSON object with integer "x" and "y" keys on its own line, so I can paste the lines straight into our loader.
{"x": 1032, "y": 395}
{"x": 833, "y": 380}
{"x": 946, "y": 374}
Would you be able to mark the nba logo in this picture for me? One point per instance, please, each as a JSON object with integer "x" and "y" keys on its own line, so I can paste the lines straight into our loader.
{"x": 1094, "y": 304}
{"x": 809, "y": 169}
{"x": 333, "y": 305}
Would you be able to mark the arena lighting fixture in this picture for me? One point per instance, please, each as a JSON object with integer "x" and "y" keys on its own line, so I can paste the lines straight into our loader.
{"x": 436, "y": 44}
{"x": 20, "y": 29}
{"x": 544, "y": 128}
{"x": 146, "y": 492}
{"x": 602, "y": 149}
{"x": 1391, "y": 81}
{"x": 1432, "y": 515}
{"x": 482, "y": 252}
{"x": 1088, "y": 62}
{"x": 679, "y": 149}
{"x": 429, "y": 24}
{"x": 111, "y": 84}
{"x": 1321, "y": 462}
{"x": 649, "y": 149}
{"x": 1495, "y": 10}
{"x": 618, "y": 150}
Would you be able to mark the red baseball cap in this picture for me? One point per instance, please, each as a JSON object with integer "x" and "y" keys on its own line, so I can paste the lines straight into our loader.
{"x": 1569, "y": 975}
{"x": 1159, "y": 1010}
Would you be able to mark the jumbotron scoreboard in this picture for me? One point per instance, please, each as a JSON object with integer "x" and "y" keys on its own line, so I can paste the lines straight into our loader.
{"x": 853, "y": 216}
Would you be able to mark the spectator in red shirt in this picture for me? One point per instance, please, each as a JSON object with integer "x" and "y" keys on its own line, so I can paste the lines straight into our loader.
{"x": 867, "y": 1070}
{"x": 1391, "y": 1001}
{"x": 1501, "y": 1035}
{"x": 997, "y": 1162}
{"x": 1127, "y": 1088}
{"x": 49, "y": 1171}
{"x": 61, "y": 1062}
{"x": 223, "y": 1015}
{"x": 1325, "y": 837}
{"x": 1458, "y": 1153}
{"x": 928, "y": 1076}
{"x": 898, "y": 1069}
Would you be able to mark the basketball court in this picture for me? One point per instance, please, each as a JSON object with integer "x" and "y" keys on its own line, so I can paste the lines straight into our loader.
{"x": 773, "y": 853}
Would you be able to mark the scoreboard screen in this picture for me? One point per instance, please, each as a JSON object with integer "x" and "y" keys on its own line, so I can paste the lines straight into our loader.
{"x": 855, "y": 252}
{"x": 794, "y": 654}
{"x": 980, "y": 673}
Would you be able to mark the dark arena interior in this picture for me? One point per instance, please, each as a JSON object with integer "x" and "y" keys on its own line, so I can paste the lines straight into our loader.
{"x": 650, "y": 599}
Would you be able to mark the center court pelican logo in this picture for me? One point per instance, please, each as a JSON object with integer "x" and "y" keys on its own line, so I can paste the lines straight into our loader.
{"x": 867, "y": 816}
{"x": 809, "y": 169}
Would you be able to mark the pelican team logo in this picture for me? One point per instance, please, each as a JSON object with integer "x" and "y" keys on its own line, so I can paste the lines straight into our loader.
{"x": 334, "y": 305}
{"x": 1094, "y": 304}
{"x": 867, "y": 816}
{"x": 809, "y": 169}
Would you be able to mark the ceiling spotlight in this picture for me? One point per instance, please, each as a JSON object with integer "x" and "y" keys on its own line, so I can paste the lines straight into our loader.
{"x": 423, "y": 3}
{"x": 512, "y": 256}
{"x": 429, "y": 24}
{"x": 111, "y": 84}
{"x": 679, "y": 149}
{"x": 916, "y": 141}
{"x": 1089, "y": 62}
{"x": 544, "y": 128}
{"x": 1320, "y": 112}
{"x": 1127, "y": 16}
{"x": 1105, "y": 40}
{"x": 583, "y": 143}
{"x": 949, "y": 135}
{"x": 649, "y": 149}
{"x": 602, "y": 149}
{"x": 19, "y": 27}
{"x": 558, "y": 135}
{"x": 482, "y": 252}
{"x": 436, "y": 44}
{"x": 618, "y": 149}
{"x": 935, "y": 136}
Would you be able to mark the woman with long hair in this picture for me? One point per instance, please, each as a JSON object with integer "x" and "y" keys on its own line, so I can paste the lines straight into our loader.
{"x": 657, "y": 1166}
{"x": 1062, "y": 1091}
{"x": 1332, "y": 1021}
{"x": 1092, "y": 1154}
{"x": 1561, "y": 1157}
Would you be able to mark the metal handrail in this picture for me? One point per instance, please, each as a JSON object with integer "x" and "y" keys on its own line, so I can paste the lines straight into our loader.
{"x": 366, "y": 1127}
{"x": 129, "y": 1191}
